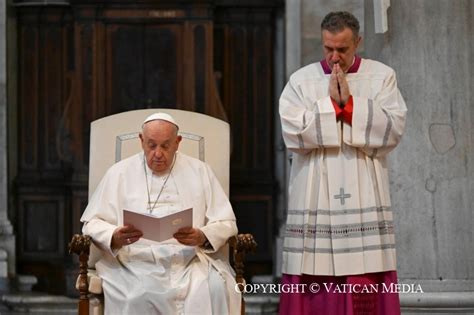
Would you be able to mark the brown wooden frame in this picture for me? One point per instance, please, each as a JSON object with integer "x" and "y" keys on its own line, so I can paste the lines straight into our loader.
{"x": 239, "y": 246}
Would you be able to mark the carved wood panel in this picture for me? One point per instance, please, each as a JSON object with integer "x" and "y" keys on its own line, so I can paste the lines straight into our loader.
{"x": 249, "y": 210}
{"x": 80, "y": 63}
{"x": 243, "y": 46}
{"x": 145, "y": 64}
{"x": 28, "y": 98}
{"x": 243, "y": 51}
{"x": 41, "y": 232}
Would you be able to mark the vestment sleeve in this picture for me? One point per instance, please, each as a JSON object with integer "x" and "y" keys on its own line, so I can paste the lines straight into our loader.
{"x": 220, "y": 217}
{"x": 101, "y": 233}
{"x": 100, "y": 217}
{"x": 307, "y": 124}
{"x": 377, "y": 124}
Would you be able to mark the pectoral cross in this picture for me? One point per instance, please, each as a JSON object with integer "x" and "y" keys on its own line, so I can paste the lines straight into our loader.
{"x": 342, "y": 196}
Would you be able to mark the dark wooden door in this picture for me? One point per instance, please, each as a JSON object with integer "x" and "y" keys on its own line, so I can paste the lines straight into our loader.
{"x": 145, "y": 62}
{"x": 243, "y": 52}
{"x": 86, "y": 60}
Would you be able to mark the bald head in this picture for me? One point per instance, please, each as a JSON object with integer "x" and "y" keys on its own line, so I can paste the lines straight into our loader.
{"x": 160, "y": 141}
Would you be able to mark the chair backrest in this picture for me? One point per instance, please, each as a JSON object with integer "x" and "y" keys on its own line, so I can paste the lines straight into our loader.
{"x": 115, "y": 137}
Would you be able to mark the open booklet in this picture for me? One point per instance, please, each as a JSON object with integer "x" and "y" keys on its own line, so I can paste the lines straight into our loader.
{"x": 159, "y": 228}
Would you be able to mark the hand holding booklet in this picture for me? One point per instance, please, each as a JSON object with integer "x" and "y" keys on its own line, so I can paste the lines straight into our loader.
{"x": 159, "y": 228}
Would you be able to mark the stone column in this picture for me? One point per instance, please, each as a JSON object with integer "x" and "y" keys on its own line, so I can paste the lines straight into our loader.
{"x": 432, "y": 170}
{"x": 7, "y": 240}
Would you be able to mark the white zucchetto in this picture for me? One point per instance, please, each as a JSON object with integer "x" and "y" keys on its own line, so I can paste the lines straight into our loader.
{"x": 160, "y": 116}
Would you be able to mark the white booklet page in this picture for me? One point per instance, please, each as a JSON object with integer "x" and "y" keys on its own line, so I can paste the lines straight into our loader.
{"x": 158, "y": 228}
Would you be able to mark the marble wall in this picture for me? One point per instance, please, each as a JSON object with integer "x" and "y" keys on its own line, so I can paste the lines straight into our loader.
{"x": 429, "y": 44}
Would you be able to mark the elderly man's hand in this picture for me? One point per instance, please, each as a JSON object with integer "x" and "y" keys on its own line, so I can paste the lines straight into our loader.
{"x": 125, "y": 235}
{"x": 190, "y": 236}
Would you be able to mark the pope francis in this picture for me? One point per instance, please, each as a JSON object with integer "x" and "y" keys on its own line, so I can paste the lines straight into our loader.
{"x": 188, "y": 274}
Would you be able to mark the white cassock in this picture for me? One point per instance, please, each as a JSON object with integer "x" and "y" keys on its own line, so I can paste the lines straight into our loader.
{"x": 339, "y": 217}
{"x": 164, "y": 278}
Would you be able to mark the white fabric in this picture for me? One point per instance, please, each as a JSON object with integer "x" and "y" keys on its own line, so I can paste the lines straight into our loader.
{"x": 163, "y": 278}
{"x": 169, "y": 200}
{"x": 327, "y": 234}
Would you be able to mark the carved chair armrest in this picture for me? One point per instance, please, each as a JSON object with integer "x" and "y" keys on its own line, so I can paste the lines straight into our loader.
{"x": 240, "y": 245}
{"x": 80, "y": 245}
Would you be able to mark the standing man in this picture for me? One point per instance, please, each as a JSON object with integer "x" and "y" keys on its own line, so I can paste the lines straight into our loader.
{"x": 340, "y": 118}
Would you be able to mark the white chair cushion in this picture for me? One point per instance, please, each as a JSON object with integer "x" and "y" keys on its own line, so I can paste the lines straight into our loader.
{"x": 95, "y": 282}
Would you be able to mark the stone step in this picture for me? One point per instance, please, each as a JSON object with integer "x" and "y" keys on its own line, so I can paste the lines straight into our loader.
{"x": 437, "y": 303}
{"x": 37, "y": 303}
{"x": 256, "y": 303}
{"x": 261, "y": 303}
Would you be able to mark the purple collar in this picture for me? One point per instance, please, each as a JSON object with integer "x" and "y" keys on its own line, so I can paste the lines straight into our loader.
{"x": 353, "y": 69}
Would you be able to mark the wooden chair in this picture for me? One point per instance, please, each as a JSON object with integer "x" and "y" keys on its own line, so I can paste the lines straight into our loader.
{"x": 114, "y": 138}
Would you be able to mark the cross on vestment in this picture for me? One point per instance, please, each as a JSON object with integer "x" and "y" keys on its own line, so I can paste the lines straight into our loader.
{"x": 342, "y": 196}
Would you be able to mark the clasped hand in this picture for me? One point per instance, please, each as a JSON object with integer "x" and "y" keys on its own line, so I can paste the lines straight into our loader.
{"x": 338, "y": 87}
{"x": 128, "y": 234}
